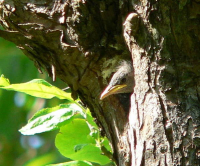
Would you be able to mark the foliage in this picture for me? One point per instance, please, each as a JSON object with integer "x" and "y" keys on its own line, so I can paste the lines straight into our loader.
{"x": 79, "y": 138}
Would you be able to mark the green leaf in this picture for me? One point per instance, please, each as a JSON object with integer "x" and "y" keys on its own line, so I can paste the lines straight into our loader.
{"x": 73, "y": 163}
{"x": 90, "y": 119}
{"x": 4, "y": 81}
{"x": 52, "y": 118}
{"x": 38, "y": 88}
{"x": 106, "y": 144}
{"x": 74, "y": 142}
{"x": 79, "y": 147}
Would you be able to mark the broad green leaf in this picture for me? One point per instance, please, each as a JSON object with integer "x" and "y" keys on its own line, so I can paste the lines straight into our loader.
{"x": 74, "y": 142}
{"x": 4, "y": 81}
{"x": 38, "y": 88}
{"x": 52, "y": 118}
{"x": 106, "y": 144}
{"x": 90, "y": 119}
{"x": 73, "y": 163}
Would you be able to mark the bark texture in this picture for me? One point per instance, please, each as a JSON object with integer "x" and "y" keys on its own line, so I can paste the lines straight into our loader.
{"x": 82, "y": 41}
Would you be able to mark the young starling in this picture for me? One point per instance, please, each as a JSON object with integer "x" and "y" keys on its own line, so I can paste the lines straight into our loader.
{"x": 121, "y": 82}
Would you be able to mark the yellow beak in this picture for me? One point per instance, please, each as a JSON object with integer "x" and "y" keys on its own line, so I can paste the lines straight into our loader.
{"x": 111, "y": 90}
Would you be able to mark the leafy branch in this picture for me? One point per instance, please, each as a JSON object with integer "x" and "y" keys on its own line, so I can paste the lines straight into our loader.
{"x": 78, "y": 138}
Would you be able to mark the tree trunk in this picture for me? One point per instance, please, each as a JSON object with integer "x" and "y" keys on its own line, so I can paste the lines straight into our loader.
{"x": 82, "y": 41}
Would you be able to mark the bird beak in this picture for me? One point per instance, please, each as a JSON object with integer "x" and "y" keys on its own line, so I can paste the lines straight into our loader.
{"x": 111, "y": 90}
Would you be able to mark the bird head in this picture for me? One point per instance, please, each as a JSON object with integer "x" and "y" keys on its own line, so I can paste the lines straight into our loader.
{"x": 121, "y": 82}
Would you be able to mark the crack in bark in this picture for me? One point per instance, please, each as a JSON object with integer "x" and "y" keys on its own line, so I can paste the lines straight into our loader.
{"x": 168, "y": 132}
{"x": 143, "y": 155}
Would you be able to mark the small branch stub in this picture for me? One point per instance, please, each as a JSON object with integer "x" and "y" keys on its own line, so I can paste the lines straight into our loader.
{"x": 131, "y": 24}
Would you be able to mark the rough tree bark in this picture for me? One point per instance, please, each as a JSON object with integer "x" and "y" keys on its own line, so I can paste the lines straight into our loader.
{"x": 82, "y": 41}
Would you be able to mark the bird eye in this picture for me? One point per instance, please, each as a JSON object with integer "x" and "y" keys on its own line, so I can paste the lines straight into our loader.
{"x": 123, "y": 80}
